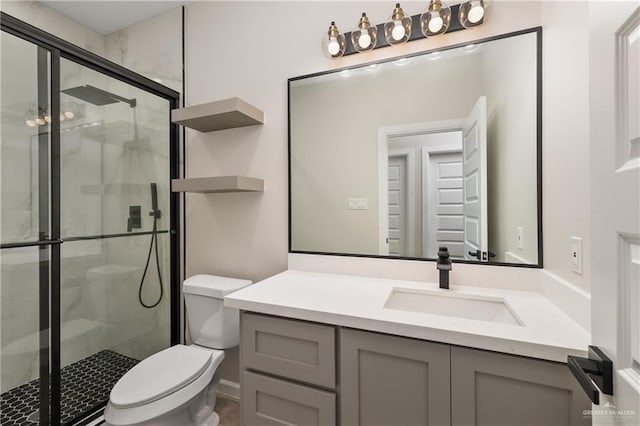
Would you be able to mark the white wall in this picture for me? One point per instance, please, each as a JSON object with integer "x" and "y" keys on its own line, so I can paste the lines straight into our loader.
{"x": 246, "y": 235}
{"x": 511, "y": 149}
{"x": 565, "y": 136}
{"x": 335, "y": 136}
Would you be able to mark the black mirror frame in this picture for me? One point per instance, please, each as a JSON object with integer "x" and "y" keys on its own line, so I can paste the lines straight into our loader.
{"x": 535, "y": 30}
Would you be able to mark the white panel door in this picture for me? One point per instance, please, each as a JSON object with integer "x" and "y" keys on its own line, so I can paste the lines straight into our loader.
{"x": 444, "y": 200}
{"x": 474, "y": 155}
{"x": 615, "y": 203}
{"x": 397, "y": 206}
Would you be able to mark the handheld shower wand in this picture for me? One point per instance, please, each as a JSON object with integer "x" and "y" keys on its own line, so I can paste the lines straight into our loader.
{"x": 156, "y": 213}
{"x": 154, "y": 200}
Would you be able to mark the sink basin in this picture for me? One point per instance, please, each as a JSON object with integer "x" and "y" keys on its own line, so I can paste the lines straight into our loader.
{"x": 480, "y": 308}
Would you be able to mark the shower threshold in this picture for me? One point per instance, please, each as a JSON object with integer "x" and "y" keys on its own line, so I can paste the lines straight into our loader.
{"x": 85, "y": 387}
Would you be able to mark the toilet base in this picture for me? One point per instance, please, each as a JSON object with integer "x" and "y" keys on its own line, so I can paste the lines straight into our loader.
{"x": 212, "y": 420}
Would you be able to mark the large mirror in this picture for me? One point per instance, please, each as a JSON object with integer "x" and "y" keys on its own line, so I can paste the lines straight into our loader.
{"x": 401, "y": 157}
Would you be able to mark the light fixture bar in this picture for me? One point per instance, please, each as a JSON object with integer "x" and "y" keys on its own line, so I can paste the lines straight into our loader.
{"x": 416, "y": 33}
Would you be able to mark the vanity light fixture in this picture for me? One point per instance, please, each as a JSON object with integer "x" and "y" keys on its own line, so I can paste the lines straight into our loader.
{"x": 333, "y": 43}
{"x": 365, "y": 35}
{"x": 30, "y": 118}
{"x": 68, "y": 111}
{"x": 435, "y": 20}
{"x": 471, "y": 13}
{"x": 40, "y": 121}
{"x": 47, "y": 115}
{"x": 398, "y": 30}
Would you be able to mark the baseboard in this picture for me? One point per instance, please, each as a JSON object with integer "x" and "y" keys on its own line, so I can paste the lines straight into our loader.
{"x": 229, "y": 389}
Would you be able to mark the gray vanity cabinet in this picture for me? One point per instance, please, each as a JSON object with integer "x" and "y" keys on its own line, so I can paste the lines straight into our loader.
{"x": 388, "y": 380}
{"x": 493, "y": 389}
{"x": 302, "y": 373}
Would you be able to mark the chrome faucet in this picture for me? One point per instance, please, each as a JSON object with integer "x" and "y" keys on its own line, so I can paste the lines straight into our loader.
{"x": 443, "y": 264}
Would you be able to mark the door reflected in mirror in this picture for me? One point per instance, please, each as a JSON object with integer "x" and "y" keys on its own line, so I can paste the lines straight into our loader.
{"x": 398, "y": 158}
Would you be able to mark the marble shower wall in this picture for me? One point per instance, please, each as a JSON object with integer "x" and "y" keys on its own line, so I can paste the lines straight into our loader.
{"x": 152, "y": 48}
{"x": 40, "y": 16}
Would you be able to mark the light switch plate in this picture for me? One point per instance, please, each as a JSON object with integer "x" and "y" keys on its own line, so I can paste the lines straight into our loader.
{"x": 358, "y": 204}
{"x": 576, "y": 254}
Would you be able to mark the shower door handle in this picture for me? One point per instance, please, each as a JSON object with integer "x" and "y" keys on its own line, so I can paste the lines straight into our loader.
{"x": 40, "y": 243}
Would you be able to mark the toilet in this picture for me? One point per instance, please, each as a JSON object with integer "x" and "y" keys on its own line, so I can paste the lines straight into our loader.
{"x": 177, "y": 386}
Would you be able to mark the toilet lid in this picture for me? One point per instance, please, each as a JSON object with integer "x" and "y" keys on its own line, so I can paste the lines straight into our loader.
{"x": 160, "y": 375}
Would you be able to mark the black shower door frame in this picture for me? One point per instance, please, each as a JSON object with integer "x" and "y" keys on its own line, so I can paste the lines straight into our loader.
{"x": 49, "y": 265}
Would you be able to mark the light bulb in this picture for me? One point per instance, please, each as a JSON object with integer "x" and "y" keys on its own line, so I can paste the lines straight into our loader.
{"x": 333, "y": 47}
{"x": 398, "y": 31}
{"x": 435, "y": 24}
{"x": 69, "y": 114}
{"x": 30, "y": 123}
{"x": 476, "y": 13}
{"x": 40, "y": 121}
{"x": 62, "y": 117}
{"x": 47, "y": 118}
{"x": 365, "y": 39}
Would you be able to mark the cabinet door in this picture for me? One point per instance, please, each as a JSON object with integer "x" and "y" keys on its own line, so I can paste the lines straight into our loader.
{"x": 268, "y": 401}
{"x": 494, "y": 389}
{"x": 388, "y": 380}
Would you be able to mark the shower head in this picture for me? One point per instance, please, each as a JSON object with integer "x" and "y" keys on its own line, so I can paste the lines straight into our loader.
{"x": 97, "y": 96}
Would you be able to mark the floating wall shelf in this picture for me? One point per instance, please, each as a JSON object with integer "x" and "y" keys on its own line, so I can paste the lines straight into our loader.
{"x": 218, "y": 184}
{"x": 218, "y": 115}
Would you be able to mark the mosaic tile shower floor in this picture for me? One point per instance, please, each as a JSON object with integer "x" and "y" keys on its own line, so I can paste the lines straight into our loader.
{"x": 85, "y": 385}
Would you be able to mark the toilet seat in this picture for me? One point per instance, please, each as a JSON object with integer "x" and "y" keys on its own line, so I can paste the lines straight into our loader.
{"x": 162, "y": 382}
{"x": 180, "y": 365}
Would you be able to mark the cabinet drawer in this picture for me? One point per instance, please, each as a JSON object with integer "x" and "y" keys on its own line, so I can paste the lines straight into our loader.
{"x": 289, "y": 348}
{"x": 270, "y": 401}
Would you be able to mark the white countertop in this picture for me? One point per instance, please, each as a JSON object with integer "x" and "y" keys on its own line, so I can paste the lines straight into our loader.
{"x": 358, "y": 302}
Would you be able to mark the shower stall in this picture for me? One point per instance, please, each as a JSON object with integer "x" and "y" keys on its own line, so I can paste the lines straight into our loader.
{"x": 89, "y": 267}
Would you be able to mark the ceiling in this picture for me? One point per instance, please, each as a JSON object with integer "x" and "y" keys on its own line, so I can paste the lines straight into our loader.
{"x": 106, "y": 17}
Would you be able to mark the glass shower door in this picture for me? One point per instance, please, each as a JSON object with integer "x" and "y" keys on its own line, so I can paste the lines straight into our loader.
{"x": 87, "y": 287}
{"x": 25, "y": 229}
{"x": 115, "y": 216}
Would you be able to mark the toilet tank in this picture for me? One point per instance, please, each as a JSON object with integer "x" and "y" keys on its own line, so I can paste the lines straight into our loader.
{"x": 210, "y": 323}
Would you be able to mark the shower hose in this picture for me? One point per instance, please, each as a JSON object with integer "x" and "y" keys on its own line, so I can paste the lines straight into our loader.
{"x": 154, "y": 239}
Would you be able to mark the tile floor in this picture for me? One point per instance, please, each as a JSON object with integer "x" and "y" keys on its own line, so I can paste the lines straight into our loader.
{"x": 85, "y": 385}
{"x": 229, "y": 411}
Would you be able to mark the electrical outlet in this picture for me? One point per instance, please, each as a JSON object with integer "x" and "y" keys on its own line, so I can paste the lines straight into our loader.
{"x": 576, "y": 254}
{"x": 520, "y": 237}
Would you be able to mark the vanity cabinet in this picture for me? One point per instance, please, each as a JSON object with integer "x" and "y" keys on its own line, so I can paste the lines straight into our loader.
{"x": 303, "y": 373}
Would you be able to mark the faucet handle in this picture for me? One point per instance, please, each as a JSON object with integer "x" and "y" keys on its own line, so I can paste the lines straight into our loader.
{"x": 443, "y": 253}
